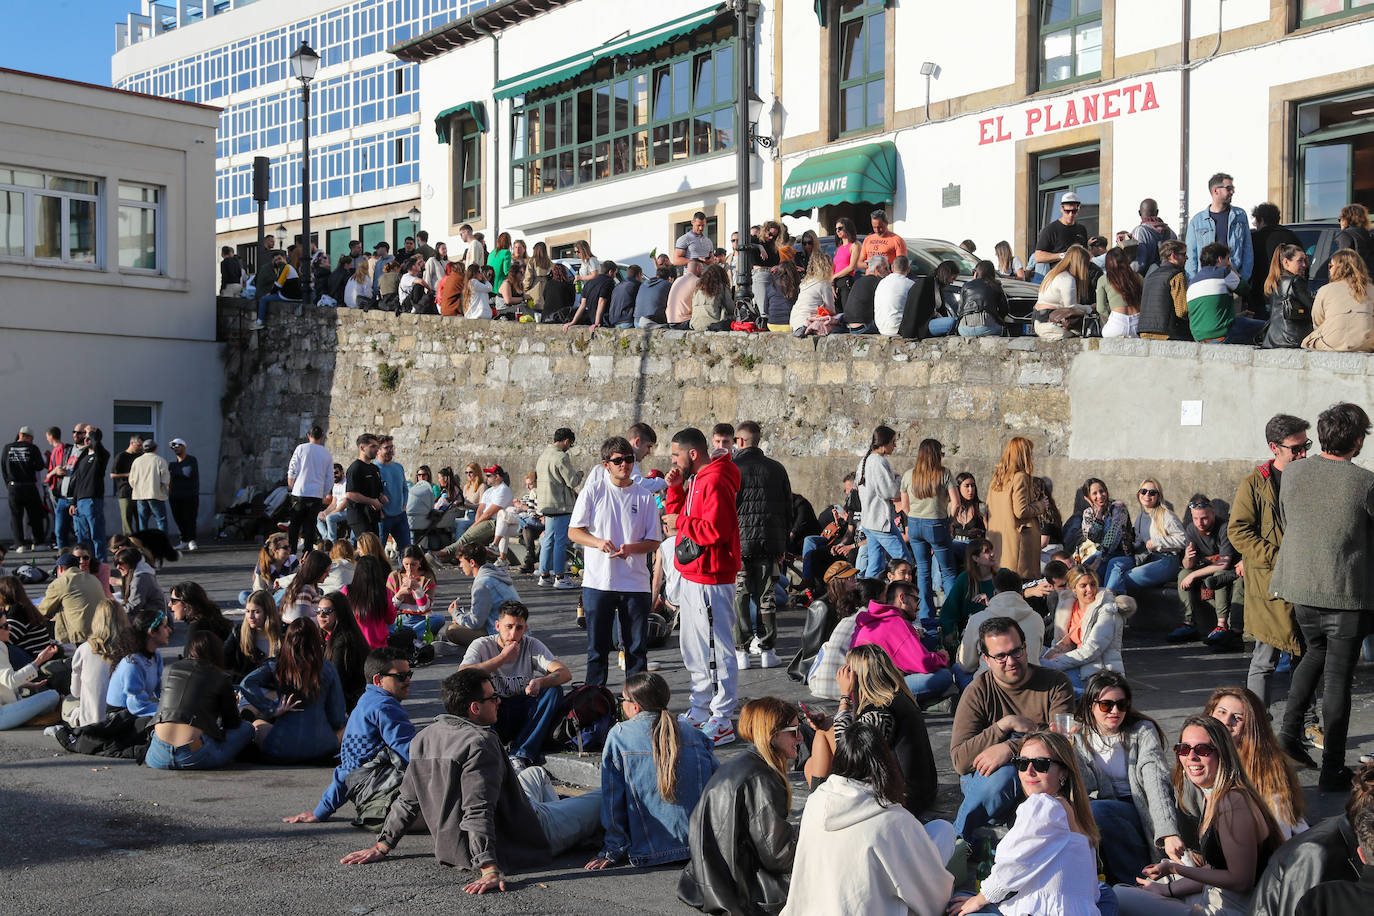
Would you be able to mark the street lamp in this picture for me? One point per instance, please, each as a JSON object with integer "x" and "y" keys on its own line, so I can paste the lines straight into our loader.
{"x": 414, "y": 215}
{"x": 756, "y": 112}
{"x": 304, "y": 63}
{"x": 281, "y": 232}
{"x": 748, "y": 107}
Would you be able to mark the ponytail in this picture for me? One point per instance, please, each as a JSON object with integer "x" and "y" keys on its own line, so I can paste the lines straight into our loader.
{"x": 650, "y": 693}
{"x": 882, "y": 436}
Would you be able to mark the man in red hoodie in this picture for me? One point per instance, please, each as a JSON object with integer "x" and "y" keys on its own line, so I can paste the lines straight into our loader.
{"x": 700, "y": 499}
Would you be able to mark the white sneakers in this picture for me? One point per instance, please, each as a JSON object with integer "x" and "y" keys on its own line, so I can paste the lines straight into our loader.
{"x": 545, "y": 581}
{"x": 719, "y": 729}
{"x": 564, "y": 582}
{"x": 192, "y": 546}
{"x": 769, "y": 659}
{"x": 742, "y": 659}
{"x": 694, "y": 717}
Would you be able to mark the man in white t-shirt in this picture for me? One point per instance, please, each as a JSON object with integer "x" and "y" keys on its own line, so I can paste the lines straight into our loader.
{"x": 497, "y": 496}
{"x": 333, "y": 516}
{"x": 618, "y": 525}
{"x": 889, "y": 299}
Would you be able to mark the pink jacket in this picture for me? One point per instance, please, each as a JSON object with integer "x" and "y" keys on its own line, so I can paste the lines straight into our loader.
{"x": 883, "y": 625}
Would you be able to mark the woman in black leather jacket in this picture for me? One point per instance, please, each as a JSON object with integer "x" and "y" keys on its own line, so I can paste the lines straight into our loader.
{"x": 1290, "y": 301}
{"x": 197, "y": 725}
{"x": 982, "y": 304}
{"x": 742, "y": 845}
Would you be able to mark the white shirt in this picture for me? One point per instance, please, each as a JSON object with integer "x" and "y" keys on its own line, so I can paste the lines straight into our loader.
{"x": 406, "y": 285}
{"x": 1047, "y": 867}
{"x": 479, "y": 300}
{"x": 1111, "y": 757}
{"x": 353, "y": 289}
{"x": 499, "y": 495}
{"x": 312, "y": 468}
{"x": 621, "y": 515}
{"x": 889, "y": 302}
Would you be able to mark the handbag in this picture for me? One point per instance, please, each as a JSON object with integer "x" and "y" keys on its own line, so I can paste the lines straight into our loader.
{"x": 687, "y": 550}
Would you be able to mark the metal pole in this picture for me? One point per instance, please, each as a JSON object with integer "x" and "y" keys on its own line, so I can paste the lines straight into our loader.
{"x": 309, "y": 260}
{"x": 743, "y": 148}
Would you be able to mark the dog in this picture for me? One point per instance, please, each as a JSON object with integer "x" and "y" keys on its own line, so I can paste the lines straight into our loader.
{"x": 156, "y": 546}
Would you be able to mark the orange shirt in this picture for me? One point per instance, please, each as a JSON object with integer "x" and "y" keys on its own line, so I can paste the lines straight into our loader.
{"x": 1074, "y": 631}
{"x": 889, "y": 246}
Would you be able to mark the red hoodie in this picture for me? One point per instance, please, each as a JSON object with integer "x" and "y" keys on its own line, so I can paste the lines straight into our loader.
{"x": 707, "y": 515}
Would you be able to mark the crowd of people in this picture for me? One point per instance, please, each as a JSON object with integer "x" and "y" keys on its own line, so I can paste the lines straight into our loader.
{"x": 918, "y": 592}
{"x": 1226, "y": 283}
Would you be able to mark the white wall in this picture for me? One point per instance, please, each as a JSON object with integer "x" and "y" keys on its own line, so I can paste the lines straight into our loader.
{"x": 1145, "y": 26}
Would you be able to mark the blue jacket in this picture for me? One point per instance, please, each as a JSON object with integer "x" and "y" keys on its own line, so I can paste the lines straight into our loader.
{"x": 394, "y": 487}
{"x": 640, "y": 824}
{"x": 377, "y": 721}
{"x": 1202, "y": 232}
{"x": 307, "y": 733}
{"x": 136, "y": 684}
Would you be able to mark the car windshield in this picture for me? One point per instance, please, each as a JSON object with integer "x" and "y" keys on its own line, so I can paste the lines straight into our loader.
{"x": 931, "y": 253}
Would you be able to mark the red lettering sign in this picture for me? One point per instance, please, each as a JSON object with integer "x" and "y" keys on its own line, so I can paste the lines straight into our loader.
{"x": 1073, "y": 112}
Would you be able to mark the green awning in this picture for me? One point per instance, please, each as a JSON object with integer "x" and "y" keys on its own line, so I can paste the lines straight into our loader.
{"x": 475, "y": 110}
{"x": 570, "y": 67}
{"x": 860, "y": 173}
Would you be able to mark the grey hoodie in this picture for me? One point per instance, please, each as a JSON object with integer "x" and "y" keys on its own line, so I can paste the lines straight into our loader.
{"x": 491, "y": 587}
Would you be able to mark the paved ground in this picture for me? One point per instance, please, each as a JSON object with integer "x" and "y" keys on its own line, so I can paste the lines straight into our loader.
{"x": 94, "y": 835}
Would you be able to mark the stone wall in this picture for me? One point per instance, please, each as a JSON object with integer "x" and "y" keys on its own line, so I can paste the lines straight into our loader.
{"x": 452, "y": 391}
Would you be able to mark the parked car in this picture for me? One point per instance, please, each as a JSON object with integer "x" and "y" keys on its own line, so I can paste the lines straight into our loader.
{"x": 1320, "y": 241}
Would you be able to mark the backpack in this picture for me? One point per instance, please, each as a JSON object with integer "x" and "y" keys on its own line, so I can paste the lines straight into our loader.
{"x": 587, "y": 714}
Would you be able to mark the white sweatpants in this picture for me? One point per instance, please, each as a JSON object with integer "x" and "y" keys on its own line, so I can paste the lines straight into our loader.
{"x": 693, "y": 639}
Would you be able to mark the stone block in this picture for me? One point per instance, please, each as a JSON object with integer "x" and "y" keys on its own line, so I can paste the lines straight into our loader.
{"x": 1038, "y": 374}
{"x": 1174, "y": 349}
{"x": 832, "y": 372}
{"x": 1340, "y": 363}
{"x": 1236, "y": 355}
{"x": 1123, "y": 346}
{"x": 1281, "y": 359}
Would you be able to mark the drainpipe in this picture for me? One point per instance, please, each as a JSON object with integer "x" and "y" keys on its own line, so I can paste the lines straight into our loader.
{"x": 495, "y": 133}
{"x": 1185, "y": 139}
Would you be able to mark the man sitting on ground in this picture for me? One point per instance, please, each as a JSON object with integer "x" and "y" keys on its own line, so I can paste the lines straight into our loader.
{"x": 71, "y": 600}
{"x": 528, "y": 680}
{"x": 461, "y": 782}
{"x": 1003, "y": 704}
{"x": 496, "y": 497}
{"x": 1007, "y": 602}
{"x": 376, "y": 745}
{"x": 491, "y": 588}
{"x": 1208, "y": 574}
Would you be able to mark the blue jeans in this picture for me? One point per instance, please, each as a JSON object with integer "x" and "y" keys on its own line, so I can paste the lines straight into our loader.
{"x": 271, "y": 297}
{"x": 211, "y": 755}
{"x": 928, "y": 688}
{"x": 1125, "y": 850}
{"x": 603, "y": 610}
{"x": 987, "y": 799}
{"x": 332, "y": 524}
{"x": 1243, "y": 331}
{"x": 152, "y": 513}
{"x": 397, "y": 526}
{"x": 987, "y": 330}
{"x": 90, "y": 524}
{"x": 809, "y": 544}
{"x": 930, "y": 536}
{"x": 881, "y": 545}
{"x": 553, "y": 550}
{"x": 13, "y": 715}
{"x": 566, "y": 821}
{"x": 940, "y": 327}
{"x": 525, "y": 722}
{"x": 1121, "y": 576}
{"x": 64, "y": 528}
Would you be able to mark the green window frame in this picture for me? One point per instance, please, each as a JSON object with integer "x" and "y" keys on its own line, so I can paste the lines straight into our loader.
{"x": 1333, "y": 138}
{"x": 668, "y": 105}
{"x": 860, "y": 71}
{"x": 466, "y": 163}
{"x": 1057, "y": 172}
{"x": 1314, "y": 12}
{"x": 336, "y": 243}
{"x": 371, "y": 234}
{"x": 1070, "y": 45}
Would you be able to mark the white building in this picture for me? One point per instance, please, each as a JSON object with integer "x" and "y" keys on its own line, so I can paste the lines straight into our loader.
{"x": 564, "y": 134}
{"x": 107, "y": 302}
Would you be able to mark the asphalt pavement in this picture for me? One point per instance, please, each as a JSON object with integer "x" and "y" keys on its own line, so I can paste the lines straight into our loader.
{"x": 88, "y": 834}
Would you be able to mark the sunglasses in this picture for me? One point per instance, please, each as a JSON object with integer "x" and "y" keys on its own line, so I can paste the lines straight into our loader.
{"x": 1227, "y": 187}
{"x": 1003, "y": 657}
{"x": 1109, "y": 705}
{"x": 1200, "y": 504}
{"x": 324, "y": 612}
{"x": 1200, "y": 750}
{"x": 1297, "y": 448}
{"x": 1039, "y": 765}
{"x": 402, "y": 676}
{"x": 1146, "y": 491}
{"x": 791, "y": 729}
{"x": 620, "y": 459}
{"x": 1070, "y": 209}
{"x": 491, "y": 699}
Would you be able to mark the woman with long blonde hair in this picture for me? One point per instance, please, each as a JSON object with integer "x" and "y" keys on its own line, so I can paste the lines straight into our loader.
{"x": 358, "y": 289}
{"x": 742, "y": 845}
{"x": 1013, "y": 510}
{"x": 816, "y": 292}
{"x": 1343, "y": 312}
{"x": 928, "y": 496}
{"x": 93, "y": 664}
{"x": 1247, "y": 719}
{"x": 1060, "y": 292}
{"x": 1159, "y": 543}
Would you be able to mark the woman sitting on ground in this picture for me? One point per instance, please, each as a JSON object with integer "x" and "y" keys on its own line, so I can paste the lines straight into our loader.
{"x": 841, "y": 605}
{"x": 257, "y": 638}
{"x": 859, "y": 849}
{"x": 344, "y": 645}
{"x": 898, "y": 569}
{"x": 1107, "y": 524}
{"x": 190, "y": 604}
{"x": 1057, "y": 312}
{"x": 1343, "y": 311}
{"x": 132, "y": 696}
{"x": 1088, "y": 627}
{"x": 1237, "y": 833}
{"x": 1118, "y": 296}
{"x": 371, "y": 601}
{"x": 1159, "y": 542}
{"x": 303, "y": 593}
{"x": 16, "y": 710}
{"x": 1125, "y": 770}
{"x": 969, "y": 518}
{"x": 411, "y": 590}
{"x": 29, "y": 632}
{"x": 296, "y": 700}
{"x": 86, "y": 562}
{"x": 873, "y": 691}
{"x": 742, "y": 845}
{"x": 971, "y": 591}
{"x": 1247, "y": 719}
{"x": 342, "y": 556}
{"x": 198, "y": 724}
{"x": 275, "y": 561}
{"x": 1047, "y": 862}
{"x": 93, "y": 664}
{"x": 1289, "y": 298}
{"x": 653, "y": 771}
{"x": 711, "y": 301}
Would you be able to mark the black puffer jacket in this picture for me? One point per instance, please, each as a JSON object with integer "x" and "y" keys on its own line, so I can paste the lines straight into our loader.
{"x": 198, "y": 694}
{"x": 742, "y": 846}
{"x": 764, "y": 503}
{"x": 1290, "y": 313}
{"x": 1157, "y": 314}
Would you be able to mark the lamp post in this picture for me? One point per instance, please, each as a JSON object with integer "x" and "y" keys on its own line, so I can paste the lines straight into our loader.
{"x": 748, "y": 107}
{"x": 304, "y": 63}
{"x": 414, "y": 215}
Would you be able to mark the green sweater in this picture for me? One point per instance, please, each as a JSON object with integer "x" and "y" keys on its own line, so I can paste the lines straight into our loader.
{"x": 1326, "y": 559}
{"x": 959, "y": 605}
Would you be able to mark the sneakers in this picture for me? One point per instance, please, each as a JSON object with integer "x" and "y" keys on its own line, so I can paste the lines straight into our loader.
{"x": 181, "y": 545}
{"x": 754, "y": 648}
{"x": 1312, "y": 737}
{"x": 1223, "y": 639}
{"x": 769, "y": 659}
{"x": 721, "y": 731}
{"x": 519, "y": 763}
{"x": 18, "y": 548}
{"x": 192, "y": 545}
{"x": 1185, "y": 633}
{"x": 1218, "y": 635}
{"x": 622, "y": 660}
{"x": 742, "y": 659}
{"x": 1297, "y": 753}
{"x": 500, "y": 563}
{"x": 1366, "y": 759}
{"x": 545, "y": 580}
{"x": 564, "y": 582}
{"x": 694, "y": 717}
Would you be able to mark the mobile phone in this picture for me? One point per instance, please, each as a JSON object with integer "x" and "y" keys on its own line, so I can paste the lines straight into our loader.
{"x": 810, "y": 716}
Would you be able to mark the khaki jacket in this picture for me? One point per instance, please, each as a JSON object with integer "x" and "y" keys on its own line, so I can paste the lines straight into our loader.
{"x": 1256, "y": 530}
{"x": 1341, "y": 321}
{"x": 70, "y": 604}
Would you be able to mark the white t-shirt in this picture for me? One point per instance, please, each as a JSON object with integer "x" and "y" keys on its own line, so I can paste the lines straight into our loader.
{"x": 479, "y": 301}
{"x": 533, "y": 660}
{"x": 621, "y": 515}
{"x": 1111, "y": 757}
{"x": 337, "y": 504}
{"x": 889, "y": 302}
{"x": 312, "y": 468}
{"x": 499, "y": 495}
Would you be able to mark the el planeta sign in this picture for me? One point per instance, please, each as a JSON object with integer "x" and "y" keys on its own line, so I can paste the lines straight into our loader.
{"x": 1069, "y": 112}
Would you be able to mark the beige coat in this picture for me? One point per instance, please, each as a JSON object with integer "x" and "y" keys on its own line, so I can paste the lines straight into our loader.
{"x": 1340, "y": 321}
{"x": 1014, "y": 527}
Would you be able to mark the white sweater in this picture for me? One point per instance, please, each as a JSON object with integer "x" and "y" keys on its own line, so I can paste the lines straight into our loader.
{"x": 90, "y": 680}
{"x": 812, "y": 295}
{"x": 876, "y": 492}
{"x": 1051, "y": 870}
{"x": 856, "y": 856}
{"x": 11, "y": 680}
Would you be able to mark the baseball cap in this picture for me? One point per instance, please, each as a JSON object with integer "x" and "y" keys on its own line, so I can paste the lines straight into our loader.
{"x": 149, "y": 445}
{"x": 839, "y": 570}
{"x": 1071, "y": 198}
{"x": 67, "y": 561}
{"x": 494, "y": 469}
{"x": 178, "y": 442}
{"x": 26, "y": 430}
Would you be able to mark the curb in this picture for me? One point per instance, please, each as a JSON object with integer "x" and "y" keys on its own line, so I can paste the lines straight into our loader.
{"x": 584, "y": 771}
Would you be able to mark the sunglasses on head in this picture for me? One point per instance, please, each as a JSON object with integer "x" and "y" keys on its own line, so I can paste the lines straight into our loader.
{"x": 1109, "y": 705}
{"x": 1200, "y": 750}
{"x": 1146, "y": 491}
{"x": 1039, "y": 765}
{"x": 1200, "y": 504}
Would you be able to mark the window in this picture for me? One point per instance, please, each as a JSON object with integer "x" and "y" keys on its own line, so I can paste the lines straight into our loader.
{"x": 139, "y": 226}
{"x": 48, "y": 217}
{"x": 712, "y": 230}
{"x": 860, "y": 53}
{"x": 401, "y": 229}
{"x": 1323, "y": 10}
{"x": 1335, "y": 154}
{"x": 371, "y": 235}
{"x": 666, "y": 105}
{"x": 134, "y": 418}
{"x": 1070, "y": 41}
{"x": 336, "y": 243}
{"x": 466, "y": 156}
{"x": 1058, "y": 173}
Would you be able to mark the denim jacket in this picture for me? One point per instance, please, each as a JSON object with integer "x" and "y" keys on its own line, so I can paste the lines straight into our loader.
{"x": 1202, "y": 232}
{"x": 640, "y": 825}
